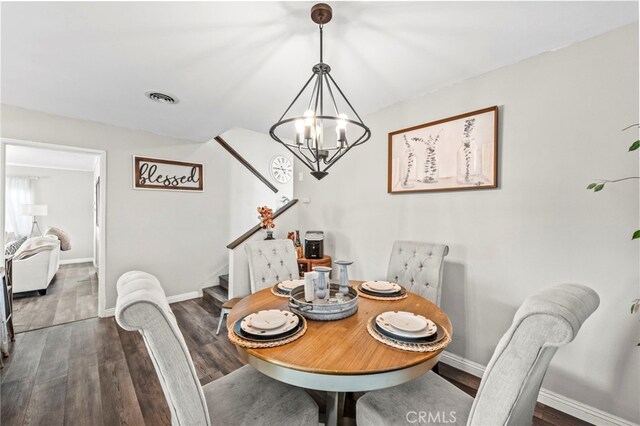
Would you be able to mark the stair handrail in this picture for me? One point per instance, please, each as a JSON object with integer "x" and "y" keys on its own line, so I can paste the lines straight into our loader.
{"x": 242, "y": 238}
{"x": 245, "y": 163}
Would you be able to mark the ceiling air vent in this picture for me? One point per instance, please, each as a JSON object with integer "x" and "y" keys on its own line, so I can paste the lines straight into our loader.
{"x": 161, "y": 98}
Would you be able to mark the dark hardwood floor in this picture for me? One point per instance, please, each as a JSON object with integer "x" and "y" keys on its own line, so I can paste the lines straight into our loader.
{"x": 91, "y": 372}
{"x": 71, "y": 296}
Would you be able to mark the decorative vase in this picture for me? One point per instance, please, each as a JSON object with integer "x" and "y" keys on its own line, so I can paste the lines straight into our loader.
{"x": 408, "y": 172}
{"x": 269, "y": 235}
{"x": 469, "y": 162}
{"x": 323, "y": 285}
{"x": 344, "y": 278}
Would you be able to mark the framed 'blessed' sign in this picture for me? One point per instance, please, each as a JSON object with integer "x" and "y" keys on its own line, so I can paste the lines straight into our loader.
{"x": 155, "y": 173}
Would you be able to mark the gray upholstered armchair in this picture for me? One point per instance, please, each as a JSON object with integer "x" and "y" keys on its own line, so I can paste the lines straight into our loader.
{"x": 418, "y": 267}
{"x": 511, "y": 382}
{"x": 271, "y": 261}
{"x": 244, "y": 397}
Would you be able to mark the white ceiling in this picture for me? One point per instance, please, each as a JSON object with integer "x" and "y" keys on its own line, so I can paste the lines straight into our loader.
{"x": 49, "y": 158}
{"x": 240, "y": 64}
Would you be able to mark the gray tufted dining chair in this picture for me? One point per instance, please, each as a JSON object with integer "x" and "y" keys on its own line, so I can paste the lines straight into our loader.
{"x": 418, "y": 267}
{"x": 271, "y": 261}
{"x": 509, "y": 388}
{"x": 243, "y": 397}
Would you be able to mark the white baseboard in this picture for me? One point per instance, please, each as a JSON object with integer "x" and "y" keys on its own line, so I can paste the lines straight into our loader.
{"x": 462, "y": 364}
{"x": 79, "y": 260}
{"x": 559, "y": 402}
{"x": 184, "y": 296}
{"x": 109, "y": 312}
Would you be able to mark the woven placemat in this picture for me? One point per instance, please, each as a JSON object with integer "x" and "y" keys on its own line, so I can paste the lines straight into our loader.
{"x": 237, "y": 340}
{"x": 275, "y": 292}
{"x": 369, "y": 296}
{"x": 406, "y": 346}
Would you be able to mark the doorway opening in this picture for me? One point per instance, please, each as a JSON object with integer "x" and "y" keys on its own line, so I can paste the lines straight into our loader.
{"x": 52, "y": 213}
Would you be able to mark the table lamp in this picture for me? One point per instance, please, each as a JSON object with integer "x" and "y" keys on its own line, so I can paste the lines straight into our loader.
{"x": 34, "y": 210}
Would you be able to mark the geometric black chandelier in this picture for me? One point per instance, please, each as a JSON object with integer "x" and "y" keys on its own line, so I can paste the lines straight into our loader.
{"x": 319, "y": 134}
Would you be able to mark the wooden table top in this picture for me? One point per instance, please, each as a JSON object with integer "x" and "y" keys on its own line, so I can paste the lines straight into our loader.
{"x": 342, "y": 347}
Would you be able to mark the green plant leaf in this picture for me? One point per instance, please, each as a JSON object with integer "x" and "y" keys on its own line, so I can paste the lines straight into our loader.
{"x": 634, "y": 145}
{"x": 598, "y": 187}
{"x": 591, "y": 186}
{"x": 636, "y": 235}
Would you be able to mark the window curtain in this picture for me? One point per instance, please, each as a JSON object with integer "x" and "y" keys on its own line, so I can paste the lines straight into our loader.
{"x": 18, "y": 192}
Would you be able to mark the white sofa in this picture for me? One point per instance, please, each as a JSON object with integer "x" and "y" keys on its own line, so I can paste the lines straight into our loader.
{"x": 37, "y": 271}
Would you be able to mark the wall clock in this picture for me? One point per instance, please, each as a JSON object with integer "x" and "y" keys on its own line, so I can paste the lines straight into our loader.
{"x": 281, "y": 169}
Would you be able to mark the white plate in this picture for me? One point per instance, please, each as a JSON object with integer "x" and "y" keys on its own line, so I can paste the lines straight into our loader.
{"x": 291, "y": 321}
{"x": 381, "y": 286}
{"x": 267, "y": 320}
{"x": 406, "y": 321}
{"x": 290, "y": 284}
{"x": 383, "y": 320}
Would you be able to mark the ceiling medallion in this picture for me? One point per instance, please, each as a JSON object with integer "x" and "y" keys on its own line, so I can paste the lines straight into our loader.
{"x": 322, "y": 134}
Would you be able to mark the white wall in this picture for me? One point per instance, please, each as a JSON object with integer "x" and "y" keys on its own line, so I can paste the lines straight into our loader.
{"x": 560, "y": 119}
{"x": 180, "y": 237}
{"x": 69, "y": 197}
{"x": 247, "y": 192}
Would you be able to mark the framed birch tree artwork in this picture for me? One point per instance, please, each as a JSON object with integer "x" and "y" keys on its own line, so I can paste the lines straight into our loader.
{"x": 454, "y": 153}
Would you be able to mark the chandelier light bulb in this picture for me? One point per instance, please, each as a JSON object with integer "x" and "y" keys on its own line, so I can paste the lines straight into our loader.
{"x": 309, "y": 117}
{"x": 318, "y": 135}
{"x": 308, "y": 125}
{"x": 342, "y": 122}
{"x": 341, "y": 130}
{"x": 299, "y": 123}
{"x": 315, "y": 135}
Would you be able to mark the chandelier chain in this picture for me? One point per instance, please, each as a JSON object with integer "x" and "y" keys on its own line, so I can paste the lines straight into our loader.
{"x": 321, "y": 41}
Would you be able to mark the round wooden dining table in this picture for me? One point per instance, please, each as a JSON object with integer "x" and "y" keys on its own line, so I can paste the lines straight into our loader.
{"x": 340, "y": 356}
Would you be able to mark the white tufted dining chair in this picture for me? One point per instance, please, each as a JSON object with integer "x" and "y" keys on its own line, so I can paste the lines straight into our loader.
{"x": 418, "y": 267}
{"x": 511, "y": 382}
{"x": 271, "y": 261}
{"x": 243, "y": 397}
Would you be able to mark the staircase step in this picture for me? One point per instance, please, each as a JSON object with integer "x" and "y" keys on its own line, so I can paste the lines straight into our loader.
{"x": 224, "y": 281}
{"x": 216, "y": 295}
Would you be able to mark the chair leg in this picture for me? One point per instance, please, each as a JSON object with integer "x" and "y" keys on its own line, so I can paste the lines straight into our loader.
{"x": 223, "y": 312}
